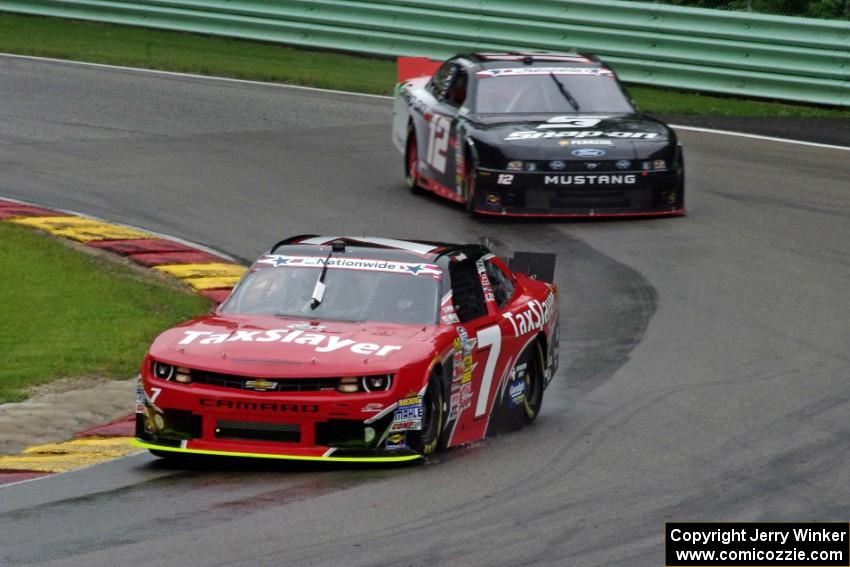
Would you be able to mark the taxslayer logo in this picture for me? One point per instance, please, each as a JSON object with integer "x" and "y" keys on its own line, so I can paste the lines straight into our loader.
{"x": 322, "y": 343}
{"x": 532, "y": 135}
{"x": 590, "y": 179}
{"x": 533, "y": 317}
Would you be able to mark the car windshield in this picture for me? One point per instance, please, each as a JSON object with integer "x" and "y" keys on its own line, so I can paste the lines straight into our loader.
{"x": 349, "y": 294}
{"x": 540, "y": 90}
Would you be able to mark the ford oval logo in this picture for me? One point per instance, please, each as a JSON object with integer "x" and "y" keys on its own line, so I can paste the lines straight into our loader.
{"x": 588, "y": 152}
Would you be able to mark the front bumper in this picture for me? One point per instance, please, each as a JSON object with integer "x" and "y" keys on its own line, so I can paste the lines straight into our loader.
{"x": 211, "y": 420}
{"x": 579, "y": 194}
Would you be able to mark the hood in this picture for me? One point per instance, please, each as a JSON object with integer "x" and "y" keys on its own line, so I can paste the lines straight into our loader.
{"x": 270, "y": 347}
{"x": 548, "y": 136}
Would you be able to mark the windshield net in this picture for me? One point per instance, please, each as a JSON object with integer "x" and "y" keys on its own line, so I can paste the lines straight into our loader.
{"x": 537, "y": 90}
{"x": 349, "y": 295}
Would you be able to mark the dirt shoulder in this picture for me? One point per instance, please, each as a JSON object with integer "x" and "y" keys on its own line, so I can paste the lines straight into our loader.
{"x": 62, "y": 408}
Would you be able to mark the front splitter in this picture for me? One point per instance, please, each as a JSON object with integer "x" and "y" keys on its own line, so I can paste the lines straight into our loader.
{"x": 326, "y": 457}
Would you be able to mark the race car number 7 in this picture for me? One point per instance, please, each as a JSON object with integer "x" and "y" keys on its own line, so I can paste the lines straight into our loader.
{"x": 488, "y": 337}
{"x": 438, "y": 142}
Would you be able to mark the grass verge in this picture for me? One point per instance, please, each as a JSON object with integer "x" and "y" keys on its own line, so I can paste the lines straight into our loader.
{"x": 209, "y": 55}
{"x": 71, "y": 314}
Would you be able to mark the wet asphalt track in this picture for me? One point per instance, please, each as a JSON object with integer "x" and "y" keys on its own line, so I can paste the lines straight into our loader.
{"x": 705, "y": 371}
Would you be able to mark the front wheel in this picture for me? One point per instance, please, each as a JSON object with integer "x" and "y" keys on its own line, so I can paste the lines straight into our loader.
{"x": 426, "y": 441}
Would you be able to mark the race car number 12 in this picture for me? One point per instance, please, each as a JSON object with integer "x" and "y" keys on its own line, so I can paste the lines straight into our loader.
{"x": 438, "y": 142}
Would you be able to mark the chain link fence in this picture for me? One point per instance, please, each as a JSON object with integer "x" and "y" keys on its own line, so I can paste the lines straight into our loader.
{"x": 827, "y": 9}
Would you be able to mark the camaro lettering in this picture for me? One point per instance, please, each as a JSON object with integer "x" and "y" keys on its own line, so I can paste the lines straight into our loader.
{"x": 627, "y": 179}
{"x": 534, "y": 317}
{"x": 239, "y": 405}
{"x": 321, "y": 342}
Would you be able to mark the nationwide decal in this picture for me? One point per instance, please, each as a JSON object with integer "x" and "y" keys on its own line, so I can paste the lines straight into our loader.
{"x": 516, "y": 385}
{"x": 600, "y": 179}
{"x": 580, "y": 134}
{"x": 520, "y": 55}
{"x": 524, "y": 71}
{"x": 516, "y": 393}
{"x": 533, "y": 317}
{"x": 371, "y": 265}
{"x": 321, "y": 342}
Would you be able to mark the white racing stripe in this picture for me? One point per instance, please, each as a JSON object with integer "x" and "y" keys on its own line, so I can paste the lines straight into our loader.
{"x": 384, "y": 97}
{"x": 759, "y": 137}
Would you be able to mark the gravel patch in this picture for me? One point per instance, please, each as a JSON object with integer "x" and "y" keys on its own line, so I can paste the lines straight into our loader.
{"x": 62, "y": 408}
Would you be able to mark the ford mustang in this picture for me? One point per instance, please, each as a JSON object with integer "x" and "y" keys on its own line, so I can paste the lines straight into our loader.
{"x": 534, "y": 134}
{"x": 338, "y": 348}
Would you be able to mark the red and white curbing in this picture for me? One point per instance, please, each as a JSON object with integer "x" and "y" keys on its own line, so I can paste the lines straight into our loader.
{"x": 208, "y": 273}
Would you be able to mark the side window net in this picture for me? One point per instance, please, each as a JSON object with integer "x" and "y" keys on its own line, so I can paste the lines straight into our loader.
{"x": 440, "y": 81}
{"x": 467, "y": 295}
{"x": 503, "y": 288}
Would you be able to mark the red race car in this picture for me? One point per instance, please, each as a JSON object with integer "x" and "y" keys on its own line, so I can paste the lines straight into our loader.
{"x": 356, "y": 349}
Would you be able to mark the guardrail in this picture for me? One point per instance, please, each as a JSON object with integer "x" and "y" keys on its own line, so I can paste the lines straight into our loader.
{"x": 797, "y": 59}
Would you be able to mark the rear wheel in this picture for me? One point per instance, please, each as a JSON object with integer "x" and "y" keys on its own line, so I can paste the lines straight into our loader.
{"x": 534, "y": 381}
{"x": 426, "y": 441}
{"x": 411, "y": 162}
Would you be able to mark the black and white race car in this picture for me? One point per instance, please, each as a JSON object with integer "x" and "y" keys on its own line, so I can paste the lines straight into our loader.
{"x": 535, "y": 134}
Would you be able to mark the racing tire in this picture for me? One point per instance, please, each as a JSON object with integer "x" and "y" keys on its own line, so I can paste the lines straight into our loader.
{"x": 428, "y": 440}
{"x": 469, "y": 182}
{"x": 535, "y": 381}
{"x": 411, "y": 163}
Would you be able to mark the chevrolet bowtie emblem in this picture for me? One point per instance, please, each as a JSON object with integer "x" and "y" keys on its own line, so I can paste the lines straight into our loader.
{"x": 260, "y": 385}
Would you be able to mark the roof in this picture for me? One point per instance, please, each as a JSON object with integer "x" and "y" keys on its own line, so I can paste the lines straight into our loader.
{"x": 377, "y": 247}
{"x": 529, "y": 58}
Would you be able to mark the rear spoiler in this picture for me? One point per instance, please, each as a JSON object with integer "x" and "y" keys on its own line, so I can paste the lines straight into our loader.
{"x": 538, "y": 265}
{"x": 412, "y": 67}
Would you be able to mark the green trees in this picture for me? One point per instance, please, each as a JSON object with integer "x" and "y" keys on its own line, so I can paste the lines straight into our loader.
{"x": 829, "y": 9}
